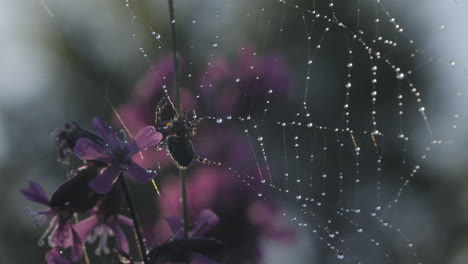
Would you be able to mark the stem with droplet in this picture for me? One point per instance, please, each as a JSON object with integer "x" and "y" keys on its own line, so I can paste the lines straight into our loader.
{"x": 178, "y": 111}
{"x": 184, "y": 201}
{"x": 136, "y": 222}
{"x": 174, "y": 57}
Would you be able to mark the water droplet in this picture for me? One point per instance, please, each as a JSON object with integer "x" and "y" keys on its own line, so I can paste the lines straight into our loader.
{"x": 348, "y": 85}
{"x": 219, "y": 120}
{"x": 309, "y": 62}
{"x": 340, "y": 255}
{"x": 374, "y": 68}
{"x": 309, "y": 124}
{"x": 357, "y": 149}
{"x": 260, "y": 138}
{"x": 215, "y": 45}
{"x": 270, "y": 91}
{"x": 229, "y": 117}
{"x": 421, "y": 109}
{"x": 400, "y": 76}
{"x": 298, "y": 197}
{"x": 374, "y": 93}
{"x": 378, "y": 208}
{"x": 350, "y": 65}
{"x": 259, "y": 194}
{"x": 156, "y": 35}
{"x": 359, "y": 230}
{"x": 452, "y": 63}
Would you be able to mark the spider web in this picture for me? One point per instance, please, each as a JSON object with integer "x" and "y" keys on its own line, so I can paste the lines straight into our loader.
{"x": 346, "y": 135}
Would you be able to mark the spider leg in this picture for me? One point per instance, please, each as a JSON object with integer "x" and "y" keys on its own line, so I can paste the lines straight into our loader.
{"x": 161, "y": 145}
{"x": 159, "y": 108}
{"x": 207, "y": 161}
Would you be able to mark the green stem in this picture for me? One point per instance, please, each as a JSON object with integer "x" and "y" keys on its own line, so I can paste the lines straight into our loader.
{"x": 136, "y": 222}
{"x": 178, "y": 106}
{"x": 184, "y": 201}
{"x": 172, "y": 22}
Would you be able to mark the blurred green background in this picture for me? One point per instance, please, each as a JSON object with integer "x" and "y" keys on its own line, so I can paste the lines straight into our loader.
{"x": 60, "y": 59}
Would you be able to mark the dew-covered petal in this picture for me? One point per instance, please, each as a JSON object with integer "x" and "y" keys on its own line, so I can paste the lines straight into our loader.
{"x": 205, "y": 221}
{"x": 110, "y": 137}
{"x": 175, "y": 223}
{"x": 122, "y": 241}
{"x": 145, "y": 138}
{"x": 53, "y": 256}
{"x": 138, "y": 174}
{"x": 86, "y": 149}
{"x": 124, "y": 220}
{"x": 77, "y": 248}
{"x": 86, "y": 226}
{"x": 104, "y": 182}
{"x": 35, "y": 193}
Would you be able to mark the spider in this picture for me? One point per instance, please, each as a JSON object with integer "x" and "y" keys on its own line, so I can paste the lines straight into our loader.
{"x": 178, "y": 133}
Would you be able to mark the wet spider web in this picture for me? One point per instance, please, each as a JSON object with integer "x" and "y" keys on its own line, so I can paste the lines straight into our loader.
{"x": 343, "y": 138}
{"x": 349, "y": 134}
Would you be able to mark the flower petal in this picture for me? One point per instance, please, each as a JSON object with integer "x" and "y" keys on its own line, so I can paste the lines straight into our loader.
{"x": 206, "y": 220}
{"x": 77, "y": 248}
{"x": 146, "y": 137}
{"x": 124, "y": 220}
{"x": 175, "y": 223}
{"x": 198, "y": 258}
{"x": 138, "y": 174}
{"x": 86, "y": 149}
{"x": 35, "y": 193}
{"x": 122, "y": 241}
{"x": 86, "y": 226}
{"x": 62, "y": 236}
{"x": 53, "y": 256}
{"x": 109, "y": 136}
{"x": 104, "y": 182}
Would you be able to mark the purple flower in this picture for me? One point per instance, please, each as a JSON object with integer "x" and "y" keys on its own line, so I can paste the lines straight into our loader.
{"x": 66, "y": 139}
{"x": 244, "y": 219}
{"x": 118, "y": 154}
{"x": 105, "y": 222}
{"x": 54, "y": 256}
{"x": 196, "y": 248}
{"x": 60, "y": 232}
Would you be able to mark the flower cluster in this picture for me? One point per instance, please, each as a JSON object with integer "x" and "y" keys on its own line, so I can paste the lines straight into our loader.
{"x": 223, "y": 225}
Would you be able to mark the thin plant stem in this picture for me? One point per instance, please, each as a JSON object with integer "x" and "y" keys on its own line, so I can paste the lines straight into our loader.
{"x": 184, "y": 201}
{"x": 178, "y": 106}
{"x": 136, "y": 222}
{"x": 172, "y": 23}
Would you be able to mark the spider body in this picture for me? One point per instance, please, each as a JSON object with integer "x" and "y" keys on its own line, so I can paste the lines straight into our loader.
{"x": 177, "y": 134}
